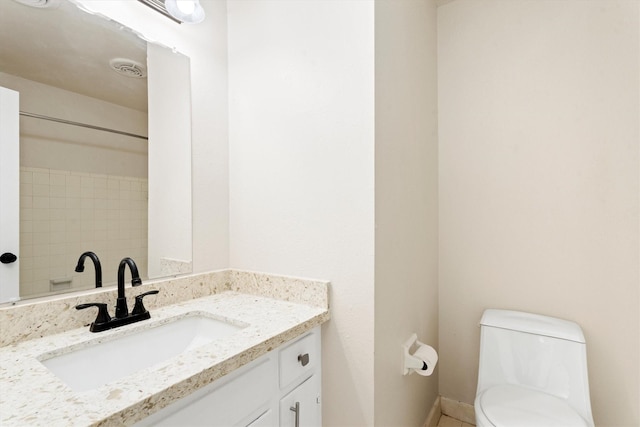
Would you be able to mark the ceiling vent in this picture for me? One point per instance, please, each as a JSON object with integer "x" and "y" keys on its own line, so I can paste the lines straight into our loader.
{"x": 128, "y": 67}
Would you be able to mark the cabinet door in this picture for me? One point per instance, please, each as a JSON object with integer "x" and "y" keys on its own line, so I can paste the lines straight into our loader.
{"x": 268, "y": 419}
{"x": 303, "y": 405}
{"x": 226, "y": 402}
{"x": 9, "y": 192}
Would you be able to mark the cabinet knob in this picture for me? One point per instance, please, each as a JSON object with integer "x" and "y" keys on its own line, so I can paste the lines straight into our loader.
{"x": 303, "y": 359}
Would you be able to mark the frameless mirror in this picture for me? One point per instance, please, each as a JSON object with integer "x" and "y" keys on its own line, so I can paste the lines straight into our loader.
{"x": 105, "y": 156}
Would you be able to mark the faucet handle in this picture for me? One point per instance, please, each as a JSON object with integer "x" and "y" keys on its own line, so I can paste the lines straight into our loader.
{"x": 103, "y": 313}
{"x": 138, "y": 308}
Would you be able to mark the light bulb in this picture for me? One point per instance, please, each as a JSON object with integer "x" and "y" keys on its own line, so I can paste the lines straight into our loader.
{"x": 186, "y": 6}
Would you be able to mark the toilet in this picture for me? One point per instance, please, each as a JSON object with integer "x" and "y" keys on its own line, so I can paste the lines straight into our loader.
{"x": 532, "y": 372}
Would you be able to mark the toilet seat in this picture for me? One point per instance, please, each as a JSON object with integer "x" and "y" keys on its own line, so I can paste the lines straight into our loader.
{"x": 513, "y": 406}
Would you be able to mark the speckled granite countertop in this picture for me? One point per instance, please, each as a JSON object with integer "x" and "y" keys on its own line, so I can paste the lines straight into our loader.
{"x": 31, "y": 395}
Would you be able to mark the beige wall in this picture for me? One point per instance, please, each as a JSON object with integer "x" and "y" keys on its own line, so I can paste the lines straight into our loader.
{"x": 538, "y": 127}
{"x": 301, "y": 142}
{"x": 406, "y": 205}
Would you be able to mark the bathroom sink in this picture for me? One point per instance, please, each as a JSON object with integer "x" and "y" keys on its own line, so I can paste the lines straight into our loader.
{"x": 103, "y": 361}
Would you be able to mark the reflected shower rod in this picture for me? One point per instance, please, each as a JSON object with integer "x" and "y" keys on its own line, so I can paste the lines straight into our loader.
{"x": 84, "y": 125}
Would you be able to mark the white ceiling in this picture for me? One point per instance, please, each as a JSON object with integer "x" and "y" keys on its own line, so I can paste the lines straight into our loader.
{"x": 70, "y": 49}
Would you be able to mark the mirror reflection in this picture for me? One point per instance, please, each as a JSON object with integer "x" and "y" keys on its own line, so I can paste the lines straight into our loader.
{"x": 104, "y": 147}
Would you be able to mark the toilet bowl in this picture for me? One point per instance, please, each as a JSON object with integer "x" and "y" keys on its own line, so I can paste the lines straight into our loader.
{"x": 532, "y": 372}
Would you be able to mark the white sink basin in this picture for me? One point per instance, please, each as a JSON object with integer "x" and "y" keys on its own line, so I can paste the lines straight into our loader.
{"x": 102, "y": 362}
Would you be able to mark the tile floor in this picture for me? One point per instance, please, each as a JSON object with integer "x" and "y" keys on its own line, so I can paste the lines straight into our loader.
{"x": 446, "y": 421}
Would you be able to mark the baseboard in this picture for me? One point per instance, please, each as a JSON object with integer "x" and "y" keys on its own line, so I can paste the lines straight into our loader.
{"x": 458, "y": 410}
{"x": 434, "y": 414}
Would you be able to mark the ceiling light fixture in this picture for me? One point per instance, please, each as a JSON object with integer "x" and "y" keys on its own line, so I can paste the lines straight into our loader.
{"x": 187, "y": 11}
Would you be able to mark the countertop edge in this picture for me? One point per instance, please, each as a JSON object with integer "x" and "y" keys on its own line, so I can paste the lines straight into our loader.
{"x": 148, "y": 406}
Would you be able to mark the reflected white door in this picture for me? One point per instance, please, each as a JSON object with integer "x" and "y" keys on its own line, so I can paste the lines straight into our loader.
{"x": 9, "y": 194}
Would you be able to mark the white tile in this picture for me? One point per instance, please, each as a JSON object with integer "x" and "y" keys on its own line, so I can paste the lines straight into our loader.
{"x": 26, "y": 189}
{"x": 113, "y": 183}
{"x": 86, "y": 192}
{"x": 26, "y": 226}
{"x": 86, "y": 182}
{"x": 57, "y": 237}
{"x": 87, "y": 204}
{"x": 100, "y": 214}
{"x": 57, "y": 202}
{"x": 73, "y": 203}
{"x": 26, "y": 214}
{"x": 26, "y": 251}
{"x": 57, "y": 214}
{"x": 41, "y": 273}
{"x": 125, "y": 184}
{"x": 41, "y": 214}
{"x": 40, "y": 202}
{"x": 57, "y": 248}
{"x": 41, "y": 178}
{"x": 100, "y": 182}
{"x": 58, "y": 225}
{"x": 57, "y": 191}
{"x": 25, "y": 239}
{"x": 40, "y": 226}
{"x": 58, "y": 178}
{"x": 26, "y": 176}
{"x": 100, "y": 193}
{"x": 72, "y": 236}
{"x": 40, "y": 190}
{"x": 41, "y": 251}
{"x": 40, "y": 238}
{"x": 113, "y": 194}
{"x": 26, "y": 202}
{"x": 73, "y": 180}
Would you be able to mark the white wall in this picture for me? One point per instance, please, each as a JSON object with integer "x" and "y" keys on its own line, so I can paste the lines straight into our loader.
{"x": 206, "y": 46}
{"x": 539, "y": 114}
{"x": 406, "y": 206}
{"x": 301, "y": 87}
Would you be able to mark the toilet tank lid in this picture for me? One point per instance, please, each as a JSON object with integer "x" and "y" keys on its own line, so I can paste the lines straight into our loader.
{"x": 533, "y": 324}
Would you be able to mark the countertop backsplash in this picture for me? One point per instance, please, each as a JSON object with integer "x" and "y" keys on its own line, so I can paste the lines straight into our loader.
{"x": 38, "y": 318}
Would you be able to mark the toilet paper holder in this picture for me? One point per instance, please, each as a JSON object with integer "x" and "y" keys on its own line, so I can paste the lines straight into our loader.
{"x": 422, "y": 361}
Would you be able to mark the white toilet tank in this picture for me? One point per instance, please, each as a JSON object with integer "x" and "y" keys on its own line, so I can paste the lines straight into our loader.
{"x": 537, "y": 353}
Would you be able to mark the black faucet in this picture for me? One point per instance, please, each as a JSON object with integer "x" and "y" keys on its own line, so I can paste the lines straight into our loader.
{"x": 96, "y": 264}
{"x": 121, "y": 303}
{"x": 122, "y": 317}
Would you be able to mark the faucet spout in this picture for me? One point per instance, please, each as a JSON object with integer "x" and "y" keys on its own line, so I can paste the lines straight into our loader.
{"x": 121, "y": 303}
{"x": 96, "y": 264}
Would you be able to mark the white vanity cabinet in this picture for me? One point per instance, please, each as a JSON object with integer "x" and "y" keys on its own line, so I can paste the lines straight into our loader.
{"x": 279, "y": 388}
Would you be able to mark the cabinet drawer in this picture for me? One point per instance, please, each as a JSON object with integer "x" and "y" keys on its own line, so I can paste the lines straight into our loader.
{"x": 298, "y": 359}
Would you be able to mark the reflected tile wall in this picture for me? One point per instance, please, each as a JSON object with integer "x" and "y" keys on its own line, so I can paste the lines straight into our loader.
{"x": 63, "y": 214}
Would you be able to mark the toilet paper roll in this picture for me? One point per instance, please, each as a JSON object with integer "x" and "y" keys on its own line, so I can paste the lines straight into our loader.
{"x": 428, "y": 355}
